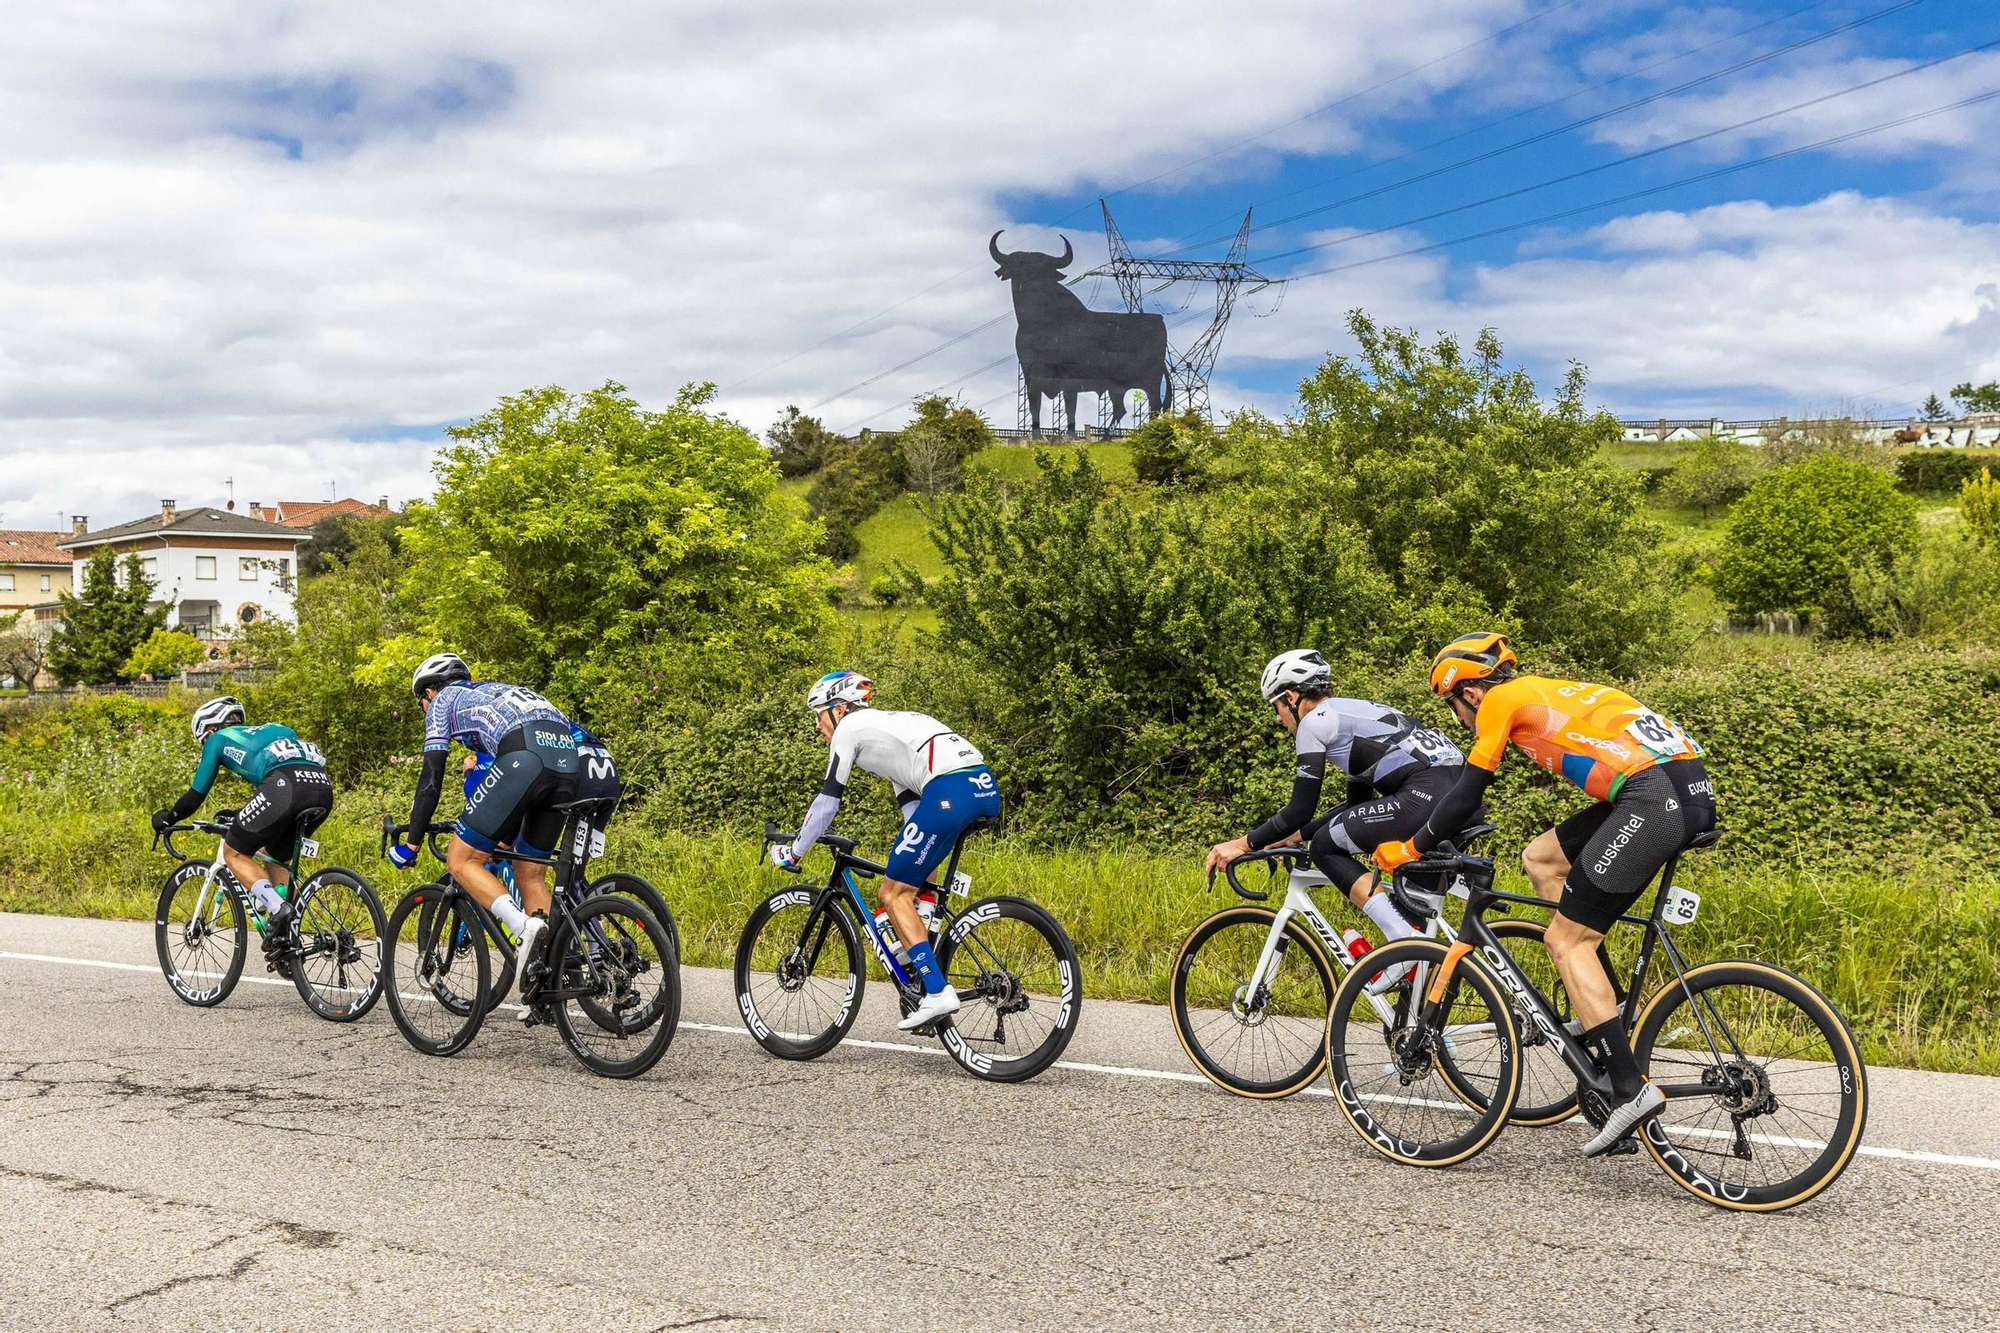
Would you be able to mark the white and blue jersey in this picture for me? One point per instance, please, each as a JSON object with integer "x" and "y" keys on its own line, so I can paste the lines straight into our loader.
{"x": 941, "y": 780}
{"x": 478, "y": 713}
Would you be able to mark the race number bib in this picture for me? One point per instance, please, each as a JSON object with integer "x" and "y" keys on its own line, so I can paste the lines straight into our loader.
{"x": 1430, "y": 745}
{"x": 1660, "y": 738}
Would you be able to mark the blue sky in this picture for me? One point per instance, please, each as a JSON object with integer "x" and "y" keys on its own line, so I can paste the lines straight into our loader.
{"x": 262, "y": 241}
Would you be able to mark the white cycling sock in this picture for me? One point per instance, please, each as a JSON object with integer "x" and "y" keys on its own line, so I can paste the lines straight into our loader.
{"x": 1384, "y": 914}
{"x": 267, "y": 897}
{"x": 511, "y": 915}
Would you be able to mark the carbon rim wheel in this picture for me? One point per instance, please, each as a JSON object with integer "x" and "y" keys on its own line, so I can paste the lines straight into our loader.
{"x": 619, "y": 953}
{"x": 342, "y": 935}
{"x": 642, "y": 892}
{"x": 799, "y": 994}
{"x": 1548, "y": 1084}
{"x": 424, "y": 959}
{"x": 1266, "y": 1042}
{"x": 1790, "y": 1091}
{"x": 1386, "y": 1070}
{"x": 666, "y": 1001}
{"x": 1020, "y": 988}
{"x": 200, "y": 934}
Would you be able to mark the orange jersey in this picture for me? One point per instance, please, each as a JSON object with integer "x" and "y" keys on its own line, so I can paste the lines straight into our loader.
{"x": 1591, "y": 735}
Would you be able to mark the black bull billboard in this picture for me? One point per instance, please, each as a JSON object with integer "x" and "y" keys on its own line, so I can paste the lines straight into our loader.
{"x": 1066, "y": 348}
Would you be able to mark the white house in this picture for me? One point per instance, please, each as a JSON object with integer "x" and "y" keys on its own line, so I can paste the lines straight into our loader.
{"x": 211, "y": 567}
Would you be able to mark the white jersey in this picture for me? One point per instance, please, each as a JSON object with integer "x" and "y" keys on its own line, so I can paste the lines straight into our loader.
{"x": 909, "y": 749}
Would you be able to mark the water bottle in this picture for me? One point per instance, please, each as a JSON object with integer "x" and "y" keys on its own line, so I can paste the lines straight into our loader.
{"x": 928, "y": 908}
{"x": 1357, "y": 943}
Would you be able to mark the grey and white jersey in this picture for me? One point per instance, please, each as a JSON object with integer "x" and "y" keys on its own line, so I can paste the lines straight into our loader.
{"x": 1372, "y": 742}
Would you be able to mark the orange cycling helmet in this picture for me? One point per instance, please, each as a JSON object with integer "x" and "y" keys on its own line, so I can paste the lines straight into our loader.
{"x": 1471, "y": 658}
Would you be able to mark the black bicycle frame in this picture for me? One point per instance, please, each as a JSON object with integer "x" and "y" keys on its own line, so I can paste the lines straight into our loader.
{"x": 1475, "y": 935}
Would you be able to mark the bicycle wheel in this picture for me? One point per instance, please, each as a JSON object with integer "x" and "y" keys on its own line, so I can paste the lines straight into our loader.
{"x": 200, "y": 934}
{"x": 619, "y": 957}
{"x": 666, "y": 1001}
{"x": 452, "y": 987}
{"x": 338, "y": 967}
{"x": 1266, "y": 1041}
{"x": 436, "y": 945}
{"x": 642, "y": 892}
{"x": 1548, "y": 1084}
{"x": 1026, "y": 989}
{"x": 799, "y": 974}
{"x": 1383, "y": 1055}
{"x": 1781, "y": 1093}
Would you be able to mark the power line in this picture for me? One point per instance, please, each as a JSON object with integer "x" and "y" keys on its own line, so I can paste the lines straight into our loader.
{"x": 1638, "y": 156}
{"x": 1162, "y": 175}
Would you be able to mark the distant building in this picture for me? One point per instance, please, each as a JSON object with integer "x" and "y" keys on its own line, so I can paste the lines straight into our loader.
{"x": 211, "y": 568}
{"x": 305, "y": 513}
{"x": 1982, "y": 429}
{"x": 33, "y": 568}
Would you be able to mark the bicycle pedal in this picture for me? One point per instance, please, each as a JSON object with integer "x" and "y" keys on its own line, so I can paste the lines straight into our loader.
{"x": 1625, "y": 1147}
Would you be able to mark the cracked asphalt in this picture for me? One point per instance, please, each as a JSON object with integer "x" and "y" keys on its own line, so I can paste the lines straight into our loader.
{"x": 251, "y": 1167}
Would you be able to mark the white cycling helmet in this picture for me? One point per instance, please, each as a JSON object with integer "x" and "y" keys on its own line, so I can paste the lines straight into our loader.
{"x": 216, "y": 714}
{"x": 840, "y": 687}
{"x": 1299, "y": 669}
{"x": 439, "y": 670}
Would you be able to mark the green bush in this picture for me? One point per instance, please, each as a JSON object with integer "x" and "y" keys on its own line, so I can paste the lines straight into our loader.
{"x": 1944, "y": 590}
{"x": 1711, "y": 474}
{"x": 886, "y": 589}
{"x": 1792, "y": 538}
{"x": 1174, "y": 450}
{"x": 1939, "y": 471}
{"x": 1979, "y": 504}
{"x": 854, "y": 479}
{"x": 164, "y": 653}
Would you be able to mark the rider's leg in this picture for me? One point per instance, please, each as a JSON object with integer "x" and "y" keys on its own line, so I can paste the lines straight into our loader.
{"x": 467, "y": 864}
{"x": 1546, "y": 865}
{"x": 899, "y": 900}
{"x": 253, "y": 874}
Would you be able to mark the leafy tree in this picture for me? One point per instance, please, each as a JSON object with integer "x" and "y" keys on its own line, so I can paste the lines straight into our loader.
{"x": 1972, "y": 397}
{"x": 1792, "y": 539}
{"x": 1979, "y": 503}
{"x": 1174, "y": 450}
{"x": 855, "y": 478}
{"x": 164, "y": 653}
{"x": 1933, "y": 410}
{"x": 958, "y": 425}
{"x": 101, "y": 628}
{"x": 1710, "y": 474}
{"x": 1944, "y": 589}
{"x": 800, "y": 442}
{"x": 931, "y": 461}
{"x": 333, "y": 537}
{"x": 1473, "y": 495}
{"x": 24, "y": 651}
{"x": 625, "y": 561}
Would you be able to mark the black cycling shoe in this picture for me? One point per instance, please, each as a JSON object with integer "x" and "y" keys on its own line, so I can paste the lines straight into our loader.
{"x": 281, "y": 940}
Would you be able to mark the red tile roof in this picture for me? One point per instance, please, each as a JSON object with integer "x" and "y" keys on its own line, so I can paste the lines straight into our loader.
{"x": 305, "y": 513}
{"x": 28, "y": 546}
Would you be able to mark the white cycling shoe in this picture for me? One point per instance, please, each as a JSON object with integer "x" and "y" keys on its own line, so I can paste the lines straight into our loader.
{"x": 931, "y": 1010}
{"x": 1623, "y": 1118}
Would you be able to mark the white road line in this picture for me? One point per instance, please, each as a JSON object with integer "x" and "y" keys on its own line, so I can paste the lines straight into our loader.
{"x": 1118, "y": 1071}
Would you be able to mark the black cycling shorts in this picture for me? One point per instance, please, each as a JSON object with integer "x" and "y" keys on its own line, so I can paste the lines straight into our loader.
{"x": 290, "y": 803}
{"x": 1616, "y": 847}
{"x": 536, "y": 769}
{"x": 1343, "y": 842}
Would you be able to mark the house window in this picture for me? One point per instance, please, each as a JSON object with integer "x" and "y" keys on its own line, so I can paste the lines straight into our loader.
{"x": 246, "y": 568}
{"x": 6, "y": 583}
{"x": 204, "y": 566}
{"x": 284, "y": 573}
{"x": 45, "y": 583}
{"x": 150, "y": 566}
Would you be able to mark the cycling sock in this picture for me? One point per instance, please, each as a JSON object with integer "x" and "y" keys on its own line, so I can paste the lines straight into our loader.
{"x": 1619, "y": 1061}
{"x": 1381, "y": 909}
{"x": 267, "y": 897}
{"x": 511, "y": 915}
{"x": 927, "y": 967}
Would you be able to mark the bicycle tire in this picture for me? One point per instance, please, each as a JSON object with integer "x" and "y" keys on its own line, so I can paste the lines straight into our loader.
{"x": 781, "y": 972}
{"x": 633, "y": 886}
{"x": 1545, "y": 1076}
{"x": 429, "y": 956}
{"x": 1366, "y": 1096}
{"x": 1008, "y": 992}
{"x": 571, "y": 944}
{"x": 500, "y": 979}
{"x": 1204, "y": 1028}
{"x": 1680, "y": 1148}
{"x": 667, "y": 1004}
{"x": 340, "y": 1001}
{"x": 203, "y": 990}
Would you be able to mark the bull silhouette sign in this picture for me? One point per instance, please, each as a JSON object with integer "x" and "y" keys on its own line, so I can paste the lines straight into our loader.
{"x": 1066, "y": 348}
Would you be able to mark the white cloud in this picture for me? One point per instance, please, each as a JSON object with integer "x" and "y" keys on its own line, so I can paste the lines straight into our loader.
{"x": 245, "y": 240}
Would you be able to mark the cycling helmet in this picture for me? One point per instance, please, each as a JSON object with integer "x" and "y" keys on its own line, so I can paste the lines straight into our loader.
{"x": 439, "y": 670}
{"x": 1471, "y": 658}
{"x": 1299, "y": 669}
{"x": 216, "y": 714}
{"x": 840, "y": 687}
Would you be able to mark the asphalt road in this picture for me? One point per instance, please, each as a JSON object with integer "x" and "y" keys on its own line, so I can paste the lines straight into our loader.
{"x": 251, "y": 1167}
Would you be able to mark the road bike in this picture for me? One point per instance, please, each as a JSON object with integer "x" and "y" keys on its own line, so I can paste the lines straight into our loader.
{"x": 1251, "y": 987}
{"x": 608, "y": 975}
{"x": 1766, "y": 1092}
{"x": 202, "y": 922}
{"x": 800, "y": 969}
{"x": 501, "y": 981}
